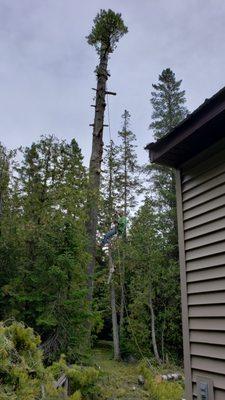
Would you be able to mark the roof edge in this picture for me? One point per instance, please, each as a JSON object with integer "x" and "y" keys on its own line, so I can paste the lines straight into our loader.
{"x": 165, "y": 147}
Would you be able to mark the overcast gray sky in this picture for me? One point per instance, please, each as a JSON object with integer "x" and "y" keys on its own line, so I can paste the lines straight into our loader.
{"x": 46, "y": 65}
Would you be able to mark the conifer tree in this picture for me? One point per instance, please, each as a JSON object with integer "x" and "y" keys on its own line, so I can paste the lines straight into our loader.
{"x": 128, "y": 184}
{"x": 5, "y": 160}
{"x": 111, "y": 166}
{"x": 109, "y": 189}
{"x": 168, "y": 104}
{"x": 48, "y": 291}
{"x": 128, "y": 180}
{"x": 168, "y": 101}
{"x": 9, "y": 246}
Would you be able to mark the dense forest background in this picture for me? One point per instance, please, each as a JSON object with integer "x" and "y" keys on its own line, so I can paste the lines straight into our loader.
{"x": 53, "y": 277}
{"x": 43, "y": 241}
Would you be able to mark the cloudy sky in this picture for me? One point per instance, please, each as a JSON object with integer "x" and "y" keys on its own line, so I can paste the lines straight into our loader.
{"x": 46, "y": 65}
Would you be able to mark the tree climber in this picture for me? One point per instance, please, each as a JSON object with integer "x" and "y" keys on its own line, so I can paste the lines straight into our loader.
{"x": 118, "y": 228}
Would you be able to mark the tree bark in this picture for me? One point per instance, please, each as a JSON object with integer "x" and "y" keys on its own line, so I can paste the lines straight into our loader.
{"x": 162, "y": 338}
{"x": 154, "y": 343}
{"x": 95, "y": 167}
{"x": 116, "y": 344}
{"x": 122, "y": 272}
{"x": 122, "y": 294}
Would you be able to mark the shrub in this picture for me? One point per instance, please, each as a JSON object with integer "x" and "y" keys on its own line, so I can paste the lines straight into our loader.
{"x": 83, "y": 380}
{"x": 21, "y": 367}
{"x": 23, "y": 375}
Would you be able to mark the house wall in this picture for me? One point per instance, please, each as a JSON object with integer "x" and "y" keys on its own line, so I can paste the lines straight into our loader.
{"x": 201, "y": 226}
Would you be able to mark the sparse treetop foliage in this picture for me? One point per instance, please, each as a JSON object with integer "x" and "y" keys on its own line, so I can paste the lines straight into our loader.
{"x": 107, "y": 30}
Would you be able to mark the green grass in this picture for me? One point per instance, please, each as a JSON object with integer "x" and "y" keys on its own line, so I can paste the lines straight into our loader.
{"x": 161, "y": 391}
{"x": 119, "y": 380}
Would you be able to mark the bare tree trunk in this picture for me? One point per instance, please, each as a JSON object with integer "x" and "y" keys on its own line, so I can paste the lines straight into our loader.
{"x": 162, "y": 339}
{"x": 122, "y": 272}
{"x": 122, "y": 294}
{"x": 154, "y": 343}
{"x": 95, "y": 166}
{"x": 1, "y": 204}
{"x": 116, "y": 344}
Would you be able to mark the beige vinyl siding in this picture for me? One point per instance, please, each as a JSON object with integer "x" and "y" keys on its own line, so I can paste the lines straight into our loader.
{"x": 203, "y": 205}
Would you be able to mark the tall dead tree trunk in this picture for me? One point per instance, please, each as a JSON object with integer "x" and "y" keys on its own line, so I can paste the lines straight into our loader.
{"x": 122, "y": 295}
{"x": 116, "y": 339}
{"x": 95, "y": 165}
{"x": 116, "y": 342}
{"x": 122, "y": 272}
{"x": 107, "y": 30}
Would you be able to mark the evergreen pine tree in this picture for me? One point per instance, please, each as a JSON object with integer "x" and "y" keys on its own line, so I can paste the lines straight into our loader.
{"x": 168, "y": 101}
{"x": 5, "y": 163}
{"x": 168, "y": 104}
{"x": 127, "y": 179}
{"x": 9, "y": 245}
{"x": 48, "y": 291}
{"x": 109, "y": 189}
{"x": 106, "y": 299}
{"x": 128, "y": 184}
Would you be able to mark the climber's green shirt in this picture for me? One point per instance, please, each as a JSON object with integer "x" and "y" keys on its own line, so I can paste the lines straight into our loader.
{"x": 122, "y": 222}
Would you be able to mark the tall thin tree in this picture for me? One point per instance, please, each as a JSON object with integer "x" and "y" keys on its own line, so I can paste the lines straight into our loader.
{"x": 108, "y": 28}
{"x": 109, "y": 204}
{"x": 168, "y": 101}
{"x": 128, "y": 184}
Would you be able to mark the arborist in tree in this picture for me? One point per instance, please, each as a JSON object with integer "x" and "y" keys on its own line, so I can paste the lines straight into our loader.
{"x": 118, "y": 228}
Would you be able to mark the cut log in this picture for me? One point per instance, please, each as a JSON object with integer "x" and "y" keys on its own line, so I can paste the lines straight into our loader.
{"x": 169, "y": 377}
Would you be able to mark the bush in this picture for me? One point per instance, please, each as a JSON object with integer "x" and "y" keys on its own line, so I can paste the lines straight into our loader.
{"x": 82, "y": 380}
{"x": 21, "y": 367}
{"x": 23, "y": 375}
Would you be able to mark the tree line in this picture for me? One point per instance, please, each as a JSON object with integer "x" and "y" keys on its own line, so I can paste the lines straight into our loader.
{"x": 53, "y": 275}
